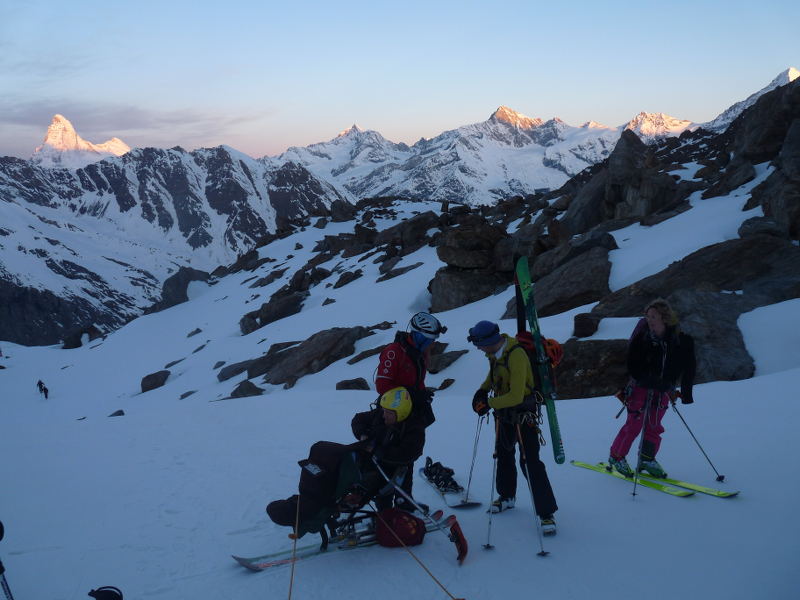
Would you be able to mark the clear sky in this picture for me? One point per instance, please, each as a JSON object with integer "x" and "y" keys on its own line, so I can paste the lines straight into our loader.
{"x": 262, "y": 76}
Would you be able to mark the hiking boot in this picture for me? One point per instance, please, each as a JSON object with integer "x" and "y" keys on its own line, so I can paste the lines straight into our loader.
{"x": 621, "y": 466}
{"x": 502, "y": 504}
{"x": 548, "y": 525}
{"x": 653, "y": 468}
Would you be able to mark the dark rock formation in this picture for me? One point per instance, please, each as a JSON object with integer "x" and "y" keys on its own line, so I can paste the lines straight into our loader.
{"x": 173, "y": 291}
{"x": 580, "y": 281}
{"x": 75, "y": 338}
{"x": 154, "y": 380}
{"x": 233, "y": 370}
{"x": 439, "y": 362}
{"x": 311, "y": 356}
{"x": 359, "y": 383}
{"x": 592, "y": 368}
{"x": 245, "y": 389}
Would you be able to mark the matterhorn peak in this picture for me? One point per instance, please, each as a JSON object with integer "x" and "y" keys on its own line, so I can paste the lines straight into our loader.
{"x": 63, "y": 147}
{"x": 61, "y": 135}
{"x": 506, "y": 115}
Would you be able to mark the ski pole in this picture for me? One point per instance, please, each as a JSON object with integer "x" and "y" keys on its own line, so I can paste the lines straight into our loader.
{"x": 474, "y": 454}
{"x": 408, "y": 497}
{"x": 641, "y": 440}
{"x": 542, "y": 551}
{"x": 623, "y": 393}
{"x": 719, "y": 477}
{"x": 3, "y": 582}
{"x": 488, "y": 544}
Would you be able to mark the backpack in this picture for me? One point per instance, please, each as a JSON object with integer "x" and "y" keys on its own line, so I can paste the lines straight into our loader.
{"x": 395, "y": 527}
{"x": 553, "y": 350}
{"x": 107, "y": 592}
{"x": 329, "y": 472}
{"x": 421, "y": 399}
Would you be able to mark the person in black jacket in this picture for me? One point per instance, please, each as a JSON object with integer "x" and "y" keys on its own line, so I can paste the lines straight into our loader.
{"x": 395, "y": 435}
{"x": 659, "y": 355}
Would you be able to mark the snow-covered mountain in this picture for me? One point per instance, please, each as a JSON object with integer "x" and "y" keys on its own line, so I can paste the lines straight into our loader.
{"x": 721, "y": 122}
{"x": 651, "y": 127}
{"x": 99, "y": 241}
{"x": 64, "y": 148}
{"x": 508, "y": 154}
{"x": 102, "y": 238}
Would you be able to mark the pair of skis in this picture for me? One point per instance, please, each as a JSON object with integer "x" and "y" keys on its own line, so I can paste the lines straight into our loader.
{"x": 284, "y": 557}
{"x": 673, "y": 487}
{"x": 544, "y": 375}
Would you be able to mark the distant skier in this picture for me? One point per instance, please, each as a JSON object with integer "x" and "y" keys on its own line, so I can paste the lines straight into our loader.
{"x": 45, "y": 391}
{"x": 510, "y": 381}
{"x": 658, "y": 355}
{"x": 395, "y": 435}
{"x": 40, "y": 386}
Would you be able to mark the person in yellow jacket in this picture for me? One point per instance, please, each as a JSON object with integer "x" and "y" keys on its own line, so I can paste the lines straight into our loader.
{"x": 509, "y": 390}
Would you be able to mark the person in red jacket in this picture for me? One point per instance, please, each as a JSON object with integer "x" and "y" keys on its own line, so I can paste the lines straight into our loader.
{"x": 404, "y": 363}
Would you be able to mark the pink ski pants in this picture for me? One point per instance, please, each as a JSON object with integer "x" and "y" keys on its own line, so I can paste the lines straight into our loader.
{"x": 659, "y": 402}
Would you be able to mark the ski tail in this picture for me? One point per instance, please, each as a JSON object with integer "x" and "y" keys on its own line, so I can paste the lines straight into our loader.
{"x": 457, "y": 537}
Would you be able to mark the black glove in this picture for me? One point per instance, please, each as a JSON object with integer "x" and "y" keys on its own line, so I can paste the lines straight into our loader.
{"x": 480, "y": 402}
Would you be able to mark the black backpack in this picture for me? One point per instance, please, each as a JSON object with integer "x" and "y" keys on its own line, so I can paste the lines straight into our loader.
{"x": 107, "y": 592}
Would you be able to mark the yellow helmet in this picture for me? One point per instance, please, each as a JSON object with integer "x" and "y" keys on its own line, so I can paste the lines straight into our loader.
{"x": 399, "y": 400}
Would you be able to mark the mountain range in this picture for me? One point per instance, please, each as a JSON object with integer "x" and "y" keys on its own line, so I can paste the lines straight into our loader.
{"x": 96, "y": 243}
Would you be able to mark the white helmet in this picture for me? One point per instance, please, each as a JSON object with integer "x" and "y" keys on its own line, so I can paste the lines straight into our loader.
{"x": 427, "y": 325}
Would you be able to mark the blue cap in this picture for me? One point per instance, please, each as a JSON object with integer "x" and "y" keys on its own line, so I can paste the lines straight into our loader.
{"x": 485, "y": 333}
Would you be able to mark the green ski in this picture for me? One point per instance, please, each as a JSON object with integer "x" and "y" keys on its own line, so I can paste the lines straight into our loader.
{"x": 661, "y": 487}
{"x": 690, "y": 486}
{"x": 543, "y": 369}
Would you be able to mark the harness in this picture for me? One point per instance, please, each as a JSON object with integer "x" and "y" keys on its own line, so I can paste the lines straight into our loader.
{"x": 526, "y": 412}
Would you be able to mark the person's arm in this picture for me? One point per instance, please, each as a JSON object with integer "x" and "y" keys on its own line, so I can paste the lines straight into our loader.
{"x": 408, "y": 448}
{"x": 362, "y": 424}
{"x": 518, "y": 365}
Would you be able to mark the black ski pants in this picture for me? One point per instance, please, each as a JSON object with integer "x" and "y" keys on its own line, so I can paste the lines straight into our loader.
{"x": 505, "y": 446}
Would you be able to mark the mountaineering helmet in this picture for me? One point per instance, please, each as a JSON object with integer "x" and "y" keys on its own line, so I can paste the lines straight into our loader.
{"x": 427, "y": 325}
{"x": 399, "y": 400}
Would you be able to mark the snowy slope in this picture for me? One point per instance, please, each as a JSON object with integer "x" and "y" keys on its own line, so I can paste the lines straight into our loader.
{"x": 156, "y": 501}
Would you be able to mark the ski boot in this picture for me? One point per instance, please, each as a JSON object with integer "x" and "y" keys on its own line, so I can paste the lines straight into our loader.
{"x": 652, "y": 467}
{"x": 501, "y": 504}
{"x": 441, "y": 476}
{"x": 548, "y": 525}
{"x": 620, "y": 465}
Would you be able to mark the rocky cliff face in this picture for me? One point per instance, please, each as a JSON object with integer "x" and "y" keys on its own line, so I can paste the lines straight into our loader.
{"x": 102, "y": 238}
